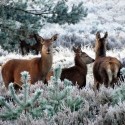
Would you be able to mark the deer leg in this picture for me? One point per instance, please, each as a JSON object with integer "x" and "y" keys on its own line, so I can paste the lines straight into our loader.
{"x": 46, "y": 82}
{"x": 37, "y": 52}
{"x": 106, "y": 82}
{"x": 17, "y": 82}
{"x": 96, "y": 86}
{"x": 108, "y": 78}
{"x": 7, "y": 79}
{"x": 17, "y": 86}
{"x": 22, "y": 51}
{"x": 27, "y": 50}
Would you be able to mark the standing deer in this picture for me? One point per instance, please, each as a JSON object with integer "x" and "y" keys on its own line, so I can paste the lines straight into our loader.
{"x": 77, "y": 73}
{"x": 37, "y": 67}
{"x": 25, "y": 47}
{"x": 106, "y": 69}
{"x": 37, "y": 45}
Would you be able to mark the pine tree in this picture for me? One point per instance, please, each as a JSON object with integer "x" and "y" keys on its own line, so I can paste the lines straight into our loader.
{"x": 19, "y": 18}
{"x": 23, "y": 105}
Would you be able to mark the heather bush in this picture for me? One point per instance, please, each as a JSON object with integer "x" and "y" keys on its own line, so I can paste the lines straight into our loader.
{"x": 61, "y": 103}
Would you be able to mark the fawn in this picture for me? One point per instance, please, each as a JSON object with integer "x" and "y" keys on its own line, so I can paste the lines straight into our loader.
{"x": 106, "y": 69}
{"x": 77, "y": 73}
{"x": 37, "y": 67}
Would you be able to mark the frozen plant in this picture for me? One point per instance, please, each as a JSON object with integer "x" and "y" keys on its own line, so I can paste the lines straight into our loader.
{"x": 26, "y": 104}
{"x": 58, "y": 96}
{"x": 123, "y": 71}
{"x": 118, "y": 95}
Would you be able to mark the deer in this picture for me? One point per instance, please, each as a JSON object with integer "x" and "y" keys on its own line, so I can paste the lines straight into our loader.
{"x": 37, "y": 67}
{"x": 37, "y": 45}
{"x": 106, "y": 69}
{"x": 77, "y": 73}
{"x": 25, "y": 47}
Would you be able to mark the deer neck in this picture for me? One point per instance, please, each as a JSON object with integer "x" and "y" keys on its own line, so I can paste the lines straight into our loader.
{"x": 100, "y": 52}
{"x": 46, "y": 61}
{"x": 79, "y": 62}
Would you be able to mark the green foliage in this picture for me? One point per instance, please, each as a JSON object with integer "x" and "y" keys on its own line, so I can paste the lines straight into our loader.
{"x": 118, "y": 95}
{"x": 18, "y": 19}
{"x": 62, "y": 103}
{"x": 74, "y": 102}
{"x": 25, "y": 104}
{"x": 62, "y": 15}
{"x": 59, "y": 95}
{"x": 16, "y": 24}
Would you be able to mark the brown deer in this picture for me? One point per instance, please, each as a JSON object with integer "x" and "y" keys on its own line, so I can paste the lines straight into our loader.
{"x": 37, "y": 67}
{"x": 25, "y": 47}
{"x": 77, "y": 73}
{"x": 106, "y": 69}
{"x": 37, "y": 45}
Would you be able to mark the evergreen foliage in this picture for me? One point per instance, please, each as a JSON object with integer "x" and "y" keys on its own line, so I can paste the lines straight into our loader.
{"x": 25, "y": 104}
{"x": 59, "y": 95}
{"x": 119, "y": 94}
{"x": 18, "y": 19}
{"x": 62, "y": 16}
{"x": 57, "y": 98}
{"x": 61, "y": 103}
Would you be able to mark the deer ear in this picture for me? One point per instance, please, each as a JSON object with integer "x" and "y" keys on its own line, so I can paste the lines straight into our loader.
{"x": 39, "y": 37}
{"x": 54, "y": 38}
{"x": 79, "y": 48}
{"x": 106, "y": 35}
{"x": 74, "y": 49}
{"x": 98, "y": 35}
{"x": 41, "y": 40}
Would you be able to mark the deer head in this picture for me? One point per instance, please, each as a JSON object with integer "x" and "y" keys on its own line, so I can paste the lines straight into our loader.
{"x": 47, "y": 44}
{"x": 83, "y": 56}
{"x": 100, "y": 45}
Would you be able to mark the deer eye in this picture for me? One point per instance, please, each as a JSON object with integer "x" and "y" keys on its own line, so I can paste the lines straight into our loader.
{"x": 42, "y": 42}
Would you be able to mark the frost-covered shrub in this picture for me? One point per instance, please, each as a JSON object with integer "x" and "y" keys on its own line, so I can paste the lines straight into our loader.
{"x": 19, "y": 106}
{"x": 2, "y": 52}
{"x": 60, "y": 103}
{"x": 104, "y": 96}
{"x": 53, "y": 99}
{"x": 115, "y": 115}
{"x": 118, "y": 95}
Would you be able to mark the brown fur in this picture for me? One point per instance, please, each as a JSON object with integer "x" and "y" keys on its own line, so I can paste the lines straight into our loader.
{"x": 37, "y": 45}
{"x": 105, "y": 69}
{"x": 25, "y": 47}
{"x": 37, "y": 67}
{"x": 76, "y": 74}
{"x": 1, "y": 64}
